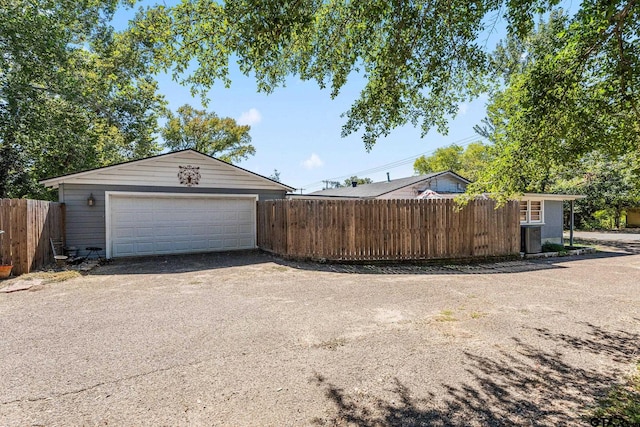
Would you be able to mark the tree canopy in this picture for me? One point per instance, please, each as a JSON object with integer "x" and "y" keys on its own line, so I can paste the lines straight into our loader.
{"x": 610, "y": 184}
{"x": 207, "y": 133}
{"x": 467, "y": 162}
{"x": 568, "y": 89}
{"x": 419, "y": 59}
{"x": 275, "y": 176}
{"x": 359, "y": 181}
{"x": 74, "y": 94}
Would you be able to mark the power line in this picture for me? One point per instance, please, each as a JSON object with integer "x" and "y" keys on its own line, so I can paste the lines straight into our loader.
{"x": 461, "y": 142}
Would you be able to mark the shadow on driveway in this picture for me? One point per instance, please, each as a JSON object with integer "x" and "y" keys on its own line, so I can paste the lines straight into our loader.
{"x": 629, "y": 247}
{"x": 531, "y": 386}
{"x": 170, "y": 264}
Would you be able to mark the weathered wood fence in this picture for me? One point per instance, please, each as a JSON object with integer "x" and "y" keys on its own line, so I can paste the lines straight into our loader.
{"x": 28, "y": 225}
{"x": 363, "y": 230}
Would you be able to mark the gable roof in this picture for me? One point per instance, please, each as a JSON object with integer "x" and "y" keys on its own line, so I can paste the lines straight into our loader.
{"x": 154, "y": 171}
{"x": 377, "y": 189}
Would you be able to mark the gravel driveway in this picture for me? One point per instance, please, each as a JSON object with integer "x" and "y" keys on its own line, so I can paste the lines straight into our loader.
{"x": 248, "y": 339}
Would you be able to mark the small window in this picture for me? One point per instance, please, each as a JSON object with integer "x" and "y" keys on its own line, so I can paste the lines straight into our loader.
{"x": 523, "y": 211}
{"x": 535, "y": 211}
{"x": 531, "y": 212}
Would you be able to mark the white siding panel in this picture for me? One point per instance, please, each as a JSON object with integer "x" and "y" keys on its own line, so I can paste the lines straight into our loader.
{"x": 163, "y": 172}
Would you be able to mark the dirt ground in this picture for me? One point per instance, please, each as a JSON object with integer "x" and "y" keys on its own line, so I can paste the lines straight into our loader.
{"x": 249, "y": 339}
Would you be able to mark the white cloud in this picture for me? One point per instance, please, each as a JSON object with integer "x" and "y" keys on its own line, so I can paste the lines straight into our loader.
{"x": 314, "y": 161}
{"x": 251, "y": 117}
{"x": 463, "y": 108}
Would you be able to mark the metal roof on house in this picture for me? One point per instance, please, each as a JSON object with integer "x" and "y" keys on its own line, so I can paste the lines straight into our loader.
{"x": 377, "y": 189}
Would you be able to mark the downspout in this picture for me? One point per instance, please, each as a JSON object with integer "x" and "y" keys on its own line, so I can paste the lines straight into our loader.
{"x": 571, "y": 224}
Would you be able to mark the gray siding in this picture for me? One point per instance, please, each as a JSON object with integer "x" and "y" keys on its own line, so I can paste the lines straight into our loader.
{"x": 553, "y": 221}
{"x": 86, "y": 225}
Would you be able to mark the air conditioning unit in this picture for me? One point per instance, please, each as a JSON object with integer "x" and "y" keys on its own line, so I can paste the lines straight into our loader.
{"x": 531, "y": 239}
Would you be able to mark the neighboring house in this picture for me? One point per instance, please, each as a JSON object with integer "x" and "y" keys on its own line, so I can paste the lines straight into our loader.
{"x": 180, "y": 202}
{"x": 633, "y": 217}
{"x": 546, "y": 211}
{"x": 543, "y": 210}
{"x": 447, "y": 184}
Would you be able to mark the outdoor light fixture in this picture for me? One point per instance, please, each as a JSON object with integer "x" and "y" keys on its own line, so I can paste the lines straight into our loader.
{"x": 91, "y": 201}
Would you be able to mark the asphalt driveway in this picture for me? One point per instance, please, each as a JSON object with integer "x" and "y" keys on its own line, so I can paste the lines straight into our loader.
{"x": 247, "y": 339}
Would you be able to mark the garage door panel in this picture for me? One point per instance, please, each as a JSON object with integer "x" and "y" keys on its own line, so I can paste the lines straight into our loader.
{"x": 124, "y": 248}
{"x": 230, "y": 243}
{"x": 230, "y": 229}
{"x": 244, "y": 216}
{"x": 169, "y": 216}
{"x": 215, "y": 244}
{"x": 200, "y": 229}
{"x": 144, "y": 232}
{"x": 144, "y": 247}
{"x": 182, "y": 246}
{"x": 246, "y": 241}
{"x": 162, "y": 246}
{"x": 181, "y": 230}
{"x": 163, "y": 225}
{"x": 124, "y": 232}
{"x": 200, "y": 245}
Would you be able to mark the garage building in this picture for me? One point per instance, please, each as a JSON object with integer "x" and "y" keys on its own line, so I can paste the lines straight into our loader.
{"x": 180, "y": 202}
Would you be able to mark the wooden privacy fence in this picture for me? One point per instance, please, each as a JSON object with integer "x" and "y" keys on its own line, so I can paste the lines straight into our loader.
{"x": 28, "y": 225}
{"x": 367, "y": 230}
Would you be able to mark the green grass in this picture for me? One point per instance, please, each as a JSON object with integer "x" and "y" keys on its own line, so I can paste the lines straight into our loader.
{"x": 446, "y": 316}
{"x": 621, "y": 403}
{"x": 477, "y": 315}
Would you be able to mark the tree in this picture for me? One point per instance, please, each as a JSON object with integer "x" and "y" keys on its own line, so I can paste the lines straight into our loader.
{"x": 275, "y": 176}
{"x": 475, "y": 159}
{"x": 349, "y": 181}
{"x": 559, "y": 102}
{"x": 207, "y": 133}
{"x": 465, "y": 162}
{"x": 419, "y": 59}
{"x": 609, "y": 183}
{"x": 73, "y": 93}
{"x": 443, "y": 159}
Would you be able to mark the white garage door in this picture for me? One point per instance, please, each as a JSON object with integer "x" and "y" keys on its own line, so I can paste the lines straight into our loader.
{"x": 143, "y": 225}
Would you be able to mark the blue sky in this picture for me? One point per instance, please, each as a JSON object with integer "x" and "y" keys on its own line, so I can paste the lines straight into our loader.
{"x": 296, "y": 129}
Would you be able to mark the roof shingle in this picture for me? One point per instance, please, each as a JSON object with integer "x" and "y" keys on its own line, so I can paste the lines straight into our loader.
{"x": 377, "y": 189}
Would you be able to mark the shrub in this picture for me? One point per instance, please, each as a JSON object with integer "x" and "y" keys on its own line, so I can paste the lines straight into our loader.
{"x": 552, "y": 247}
